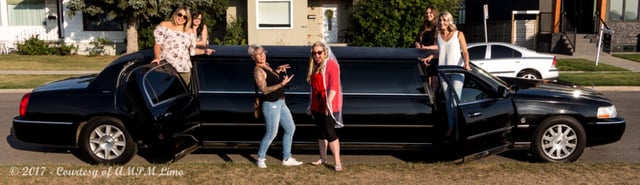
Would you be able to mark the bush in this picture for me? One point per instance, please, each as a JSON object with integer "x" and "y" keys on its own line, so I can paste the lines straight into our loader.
{"x": 98, "y": 46}
{"x": 35, "y": 46}
{"x": 395, "y": 23}
{"x": 65, "y": 49}
{"x": 234, "y": 34}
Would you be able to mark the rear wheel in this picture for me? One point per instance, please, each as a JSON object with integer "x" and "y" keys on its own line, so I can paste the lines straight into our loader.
{"x": 528, "y": 74}
{"x": 105, "y": 140}
{"x": 559, "y": 139}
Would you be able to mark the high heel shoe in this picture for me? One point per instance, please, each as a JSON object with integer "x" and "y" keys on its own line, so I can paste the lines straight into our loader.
{"x": 319, "y": 162}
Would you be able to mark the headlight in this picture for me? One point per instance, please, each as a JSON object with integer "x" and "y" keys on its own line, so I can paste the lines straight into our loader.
{"x": 607, "y": 112}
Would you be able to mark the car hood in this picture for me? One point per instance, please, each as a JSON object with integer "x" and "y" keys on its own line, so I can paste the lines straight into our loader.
{"x": 551, "y": 89}
{"x": 79, "y": 82}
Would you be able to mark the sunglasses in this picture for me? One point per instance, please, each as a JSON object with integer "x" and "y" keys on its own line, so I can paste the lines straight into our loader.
{"x": 317, "y": 52}
{"x": 183, "y": 16}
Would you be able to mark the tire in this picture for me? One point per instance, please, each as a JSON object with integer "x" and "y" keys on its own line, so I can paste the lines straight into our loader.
{"x": 528, "y": 74}
{"x": 559, "y": 139}
{"x": 105, "y": 140}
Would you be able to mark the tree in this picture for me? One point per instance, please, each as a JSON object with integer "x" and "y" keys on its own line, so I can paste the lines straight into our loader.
{"x": 392, "y": 23}
{"x": 132, "y": 12}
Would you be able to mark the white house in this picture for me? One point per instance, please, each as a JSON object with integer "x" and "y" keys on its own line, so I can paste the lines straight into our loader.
{"x": 22, "y": 19}
{"x": 269, "y": 22}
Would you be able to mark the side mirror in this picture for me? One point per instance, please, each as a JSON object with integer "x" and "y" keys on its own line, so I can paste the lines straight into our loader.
{"x": 503, "y": 92}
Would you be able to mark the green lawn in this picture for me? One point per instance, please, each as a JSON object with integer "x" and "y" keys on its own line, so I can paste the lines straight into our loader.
{"x": 633, "y": 57}
{"x": 584, "y": 65}
{"x": 47, "y": 62}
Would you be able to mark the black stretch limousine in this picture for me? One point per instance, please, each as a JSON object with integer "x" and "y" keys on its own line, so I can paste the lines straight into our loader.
{"x": 133, "y": 105}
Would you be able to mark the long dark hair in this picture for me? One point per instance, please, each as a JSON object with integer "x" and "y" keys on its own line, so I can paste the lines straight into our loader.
{"x": 201, "y": 26}
{"x": 428, "y": 25}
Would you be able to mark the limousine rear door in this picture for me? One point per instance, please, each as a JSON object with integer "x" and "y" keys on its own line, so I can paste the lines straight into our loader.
{"x": 481, "y": 118}
{"x": 168, "y": 107}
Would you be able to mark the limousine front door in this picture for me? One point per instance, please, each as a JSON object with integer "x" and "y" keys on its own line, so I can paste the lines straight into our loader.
{"x": 480, "y": 118}
{"x": 166, "y": 107}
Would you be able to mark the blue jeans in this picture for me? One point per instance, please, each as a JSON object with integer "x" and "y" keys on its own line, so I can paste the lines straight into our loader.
{"x": 277, "y": 113}
{"x": 457, "y": 81}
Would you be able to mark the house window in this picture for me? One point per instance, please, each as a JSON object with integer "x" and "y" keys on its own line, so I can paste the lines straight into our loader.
{"x": 100, "y": 21}
{"x": 26, "y": 12}
{"x": 274, "y": 13}
{"x": 624, "y": 10}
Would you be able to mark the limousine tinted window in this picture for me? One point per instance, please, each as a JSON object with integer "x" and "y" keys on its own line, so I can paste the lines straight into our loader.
{"x": 226, "y": 75}
{"x": 380, "y": 77}
{"x": 162, "y": 84}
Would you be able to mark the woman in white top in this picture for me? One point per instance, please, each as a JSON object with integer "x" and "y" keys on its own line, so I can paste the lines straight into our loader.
{"x": 452, "y": 51}
{"x": 175, "y": 41}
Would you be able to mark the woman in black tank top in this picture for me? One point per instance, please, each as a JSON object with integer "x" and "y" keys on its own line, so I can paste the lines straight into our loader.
{"x": 274, "y": 108}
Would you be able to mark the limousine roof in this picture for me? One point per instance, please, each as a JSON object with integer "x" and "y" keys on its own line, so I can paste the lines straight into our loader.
{"x": 341, "y": 52}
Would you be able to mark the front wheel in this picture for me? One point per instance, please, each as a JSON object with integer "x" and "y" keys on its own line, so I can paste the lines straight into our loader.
{"x": 105, "y": 140}
{"x": 559, "y": 139}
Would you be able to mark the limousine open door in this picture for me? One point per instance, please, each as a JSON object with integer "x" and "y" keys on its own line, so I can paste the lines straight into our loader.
{"x": 479, "y": 116}
{"x": 166, "y": 106}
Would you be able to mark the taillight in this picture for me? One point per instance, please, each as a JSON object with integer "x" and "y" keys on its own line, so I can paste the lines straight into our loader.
{"x": 553, "y": 65}
{"x": 23, "y": 104}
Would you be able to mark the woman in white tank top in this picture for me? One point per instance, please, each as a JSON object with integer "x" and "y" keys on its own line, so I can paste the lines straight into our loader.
{"x": 452, "y": 48}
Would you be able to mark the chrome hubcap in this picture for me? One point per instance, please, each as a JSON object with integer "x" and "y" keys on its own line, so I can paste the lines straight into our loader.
{"x": 559, "y": 141}
{"x": 107, "y": 142}
{"x": 529, "y": 76}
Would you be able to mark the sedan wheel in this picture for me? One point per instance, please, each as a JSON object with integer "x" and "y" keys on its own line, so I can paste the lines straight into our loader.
{"x": 105, "y": 140}
{"x": 529, "y": 75}
{"x": 559, "y": 139}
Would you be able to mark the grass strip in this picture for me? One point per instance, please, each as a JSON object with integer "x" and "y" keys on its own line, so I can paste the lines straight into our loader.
{"x": 476, "y": 172}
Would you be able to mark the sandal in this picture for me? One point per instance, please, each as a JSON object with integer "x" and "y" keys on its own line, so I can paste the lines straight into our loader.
{"x": 338, "y": 167}
{"x": 319, "y": 162}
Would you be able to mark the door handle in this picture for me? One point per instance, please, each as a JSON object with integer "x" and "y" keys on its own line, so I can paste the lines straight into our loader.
{"x": 475, "y": 114}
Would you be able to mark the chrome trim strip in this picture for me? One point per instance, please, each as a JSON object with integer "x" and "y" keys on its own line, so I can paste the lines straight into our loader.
{"x": 490, "y": 132}
{"x": 306, "y": 93}
{"x": 312, "y": 125}
{"x": 43, "y": 122}
{"x": 523, "y": 126}
{"x": 610, "y": 122}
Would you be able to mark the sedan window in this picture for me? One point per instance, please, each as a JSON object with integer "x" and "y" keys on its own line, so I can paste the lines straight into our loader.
{"x": 501, "y": 52}
{"x": 477, "y": 53}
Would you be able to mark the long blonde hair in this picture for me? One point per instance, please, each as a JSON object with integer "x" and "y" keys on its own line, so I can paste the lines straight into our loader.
{"x": 312, "y": 64}
{"x": 449, "y": 19}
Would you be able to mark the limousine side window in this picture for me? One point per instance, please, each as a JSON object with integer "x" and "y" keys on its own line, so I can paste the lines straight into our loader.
{"x": 227, "y": 75}
{"x": 381, "y": 77}
{"x": 162, "y": 84}
{"x": 473, "y": 90}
